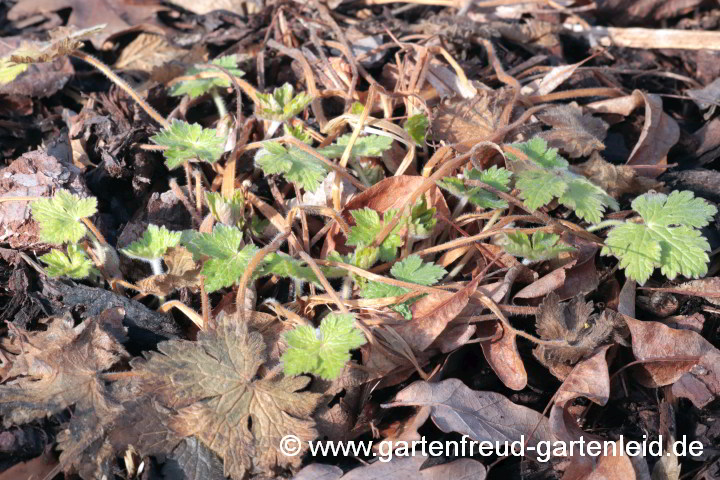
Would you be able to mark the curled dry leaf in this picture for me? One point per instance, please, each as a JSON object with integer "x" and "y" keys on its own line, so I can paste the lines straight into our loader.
{"x": 211, "y": 384}
{"x": 659, "y": 134}
{"x": 483, "y": 416}
{"x": 575, "y": 325}
{"x": 697, "y": 379}
{"x": 183, "y": 272}
{"x": 390, "y": 193}
{"x": 502, "y": 354}
{"x": 616, "y": 180}
{"x": 574, "y": 133}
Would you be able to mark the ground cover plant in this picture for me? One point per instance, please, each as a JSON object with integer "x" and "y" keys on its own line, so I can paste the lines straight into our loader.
{"x": 226, "y": 223}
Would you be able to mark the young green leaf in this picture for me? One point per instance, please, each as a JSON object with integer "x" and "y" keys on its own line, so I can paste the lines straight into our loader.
{"x": 367, "y": 226}
{"x": 9, "y": 70}
{"x": 668, "y": 237}
{"x": 322, "y": 351}
{"x": 282, "y": 105}
{"x": 546, "y": 176}
{"x": 493, "y": 176}
{"x": 422, "y": 220}
{"x": 417, "y": 126}
{"x": 368, "y": 146}
{"x": 297, "y": 132}
{"x": 75, "y": 264}
{"x": 200, "y": 86}
{"x": 412, "y": 270}
{"x": 543, "y": 246}
{"x": 154, "y": 243}
{"x": 60, "y": 217}
{"x": 229, "y": 212}
{"x": 294, "y": 164}
{"x": 189, "y": 142}
{"x": 227, "y": 261}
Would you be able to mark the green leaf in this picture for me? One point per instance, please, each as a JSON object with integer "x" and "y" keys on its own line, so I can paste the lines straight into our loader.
{"x": 297, "y": 132}
{"x": 546, "y": 177}
{"x": 367, "y": 146}
{"x": 200, "y": 86}
{"x": 229, "y": 212}
{"x": 281, "y": 106}
{"x": 75, "y": 264}
{"x": 285, "y": 266}
{"x": 412, "y": 269}
{"x": 422, "y": 220}
{"x": 294, "y": 164}
{"x": 368, "y": 225}
{"x": 9, "y": 70}
{"x": 153, "y": 244}
{"x": 186, "y": 142}
{"x": 493, "y": 176}
{"x": 668, "y": 237}
{"x": 543, "y": 246}
{"x": 417, "y": 126}
{"x": 357, "y": 108}
{"x": 59, "y": 217}
{"x": 322, "y": 351}
{"x": 227, "y": 261}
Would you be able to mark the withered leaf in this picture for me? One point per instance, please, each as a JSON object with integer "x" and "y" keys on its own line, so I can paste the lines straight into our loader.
{"x": 211, "y": 384}
{"x": 616, "y": 180}
{"x": 60, "y": 367}
{"x": 64, "y": 41}
{"x": 182, "y": 272}
{"x": 573, "y": 133}
{"x": 502, "y": 354}
{"x": 483, "y": 416}
{"x": 575, "y": 326}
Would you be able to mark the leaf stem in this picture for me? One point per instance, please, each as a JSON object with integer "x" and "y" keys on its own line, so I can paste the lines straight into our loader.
{"x": 107, "y": 71}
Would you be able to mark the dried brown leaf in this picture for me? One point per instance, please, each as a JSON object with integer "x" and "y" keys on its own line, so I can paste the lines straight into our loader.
{"x": 502, "y": 355}
{"x": 64, "y": 41}
{"x": 573, "y": 324}
{"x": 574, "y": 133}
{"x": 483, "y": 416}
{"x": 147, "y": 52}
{"x": 210, "y": 383}
{"x": 182, "y": 272}
{"x": 616, "y": 180}
{"x": 698, "y": 379}
{"x": 408, "y": 468}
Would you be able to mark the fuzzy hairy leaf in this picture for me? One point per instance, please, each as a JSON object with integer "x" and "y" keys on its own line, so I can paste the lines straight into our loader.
{"x": 200, "y": 86}
{"x": 229, "y": 212}
{"x": 545, "y": 176}
{"x": 367, "y": 146}
{"x": 211, "y": 383}
{"x": 493, "y": 176}
{"x": 417, "y": 127}
{"x": 227, "y": 261}
{"x": 59, "y": 217}
{"x": 368, "y": 225}
{"x": 189, "y": 142}
{"x": 298, "y": 132}
{"x": 294, "y": 164}
{"x": 668, "y": 237}
{"x": 322, "y": 351}
{"x": 281, "y": 105}
{"x": 542, "y": 246}
{"x": 153, "y": 244}
{"x": 75, "y": 264}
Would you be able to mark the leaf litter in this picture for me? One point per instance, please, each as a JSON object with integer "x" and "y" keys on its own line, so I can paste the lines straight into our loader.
{"x": 338, "y": 221}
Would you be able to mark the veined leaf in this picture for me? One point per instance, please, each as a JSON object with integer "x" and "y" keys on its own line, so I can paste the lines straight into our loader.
{"x": 200, "y": 86}
{"x": 368, "y": 146}
{"x": 229, "y": 212}
{"x": 189, "y": 142}
{"x": 543, "y": 246}
{"x": 295, "y": 165}
{"x": 367, "y": 226}
{"x": 281, "y": 105}
{"x": 75, "y": 264}
{"x": 59, "y": 217}
{"x": 417, "y": 126}
{"x": 545, "y": 176}
{"x": 493, "y": 176}
{"x": 153, "y": 244}
{"x": 323, "y": 351}
{"x": 422, "y": 219}
{"x": 227, "y": 261}
{"x": 668, "y": 237}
